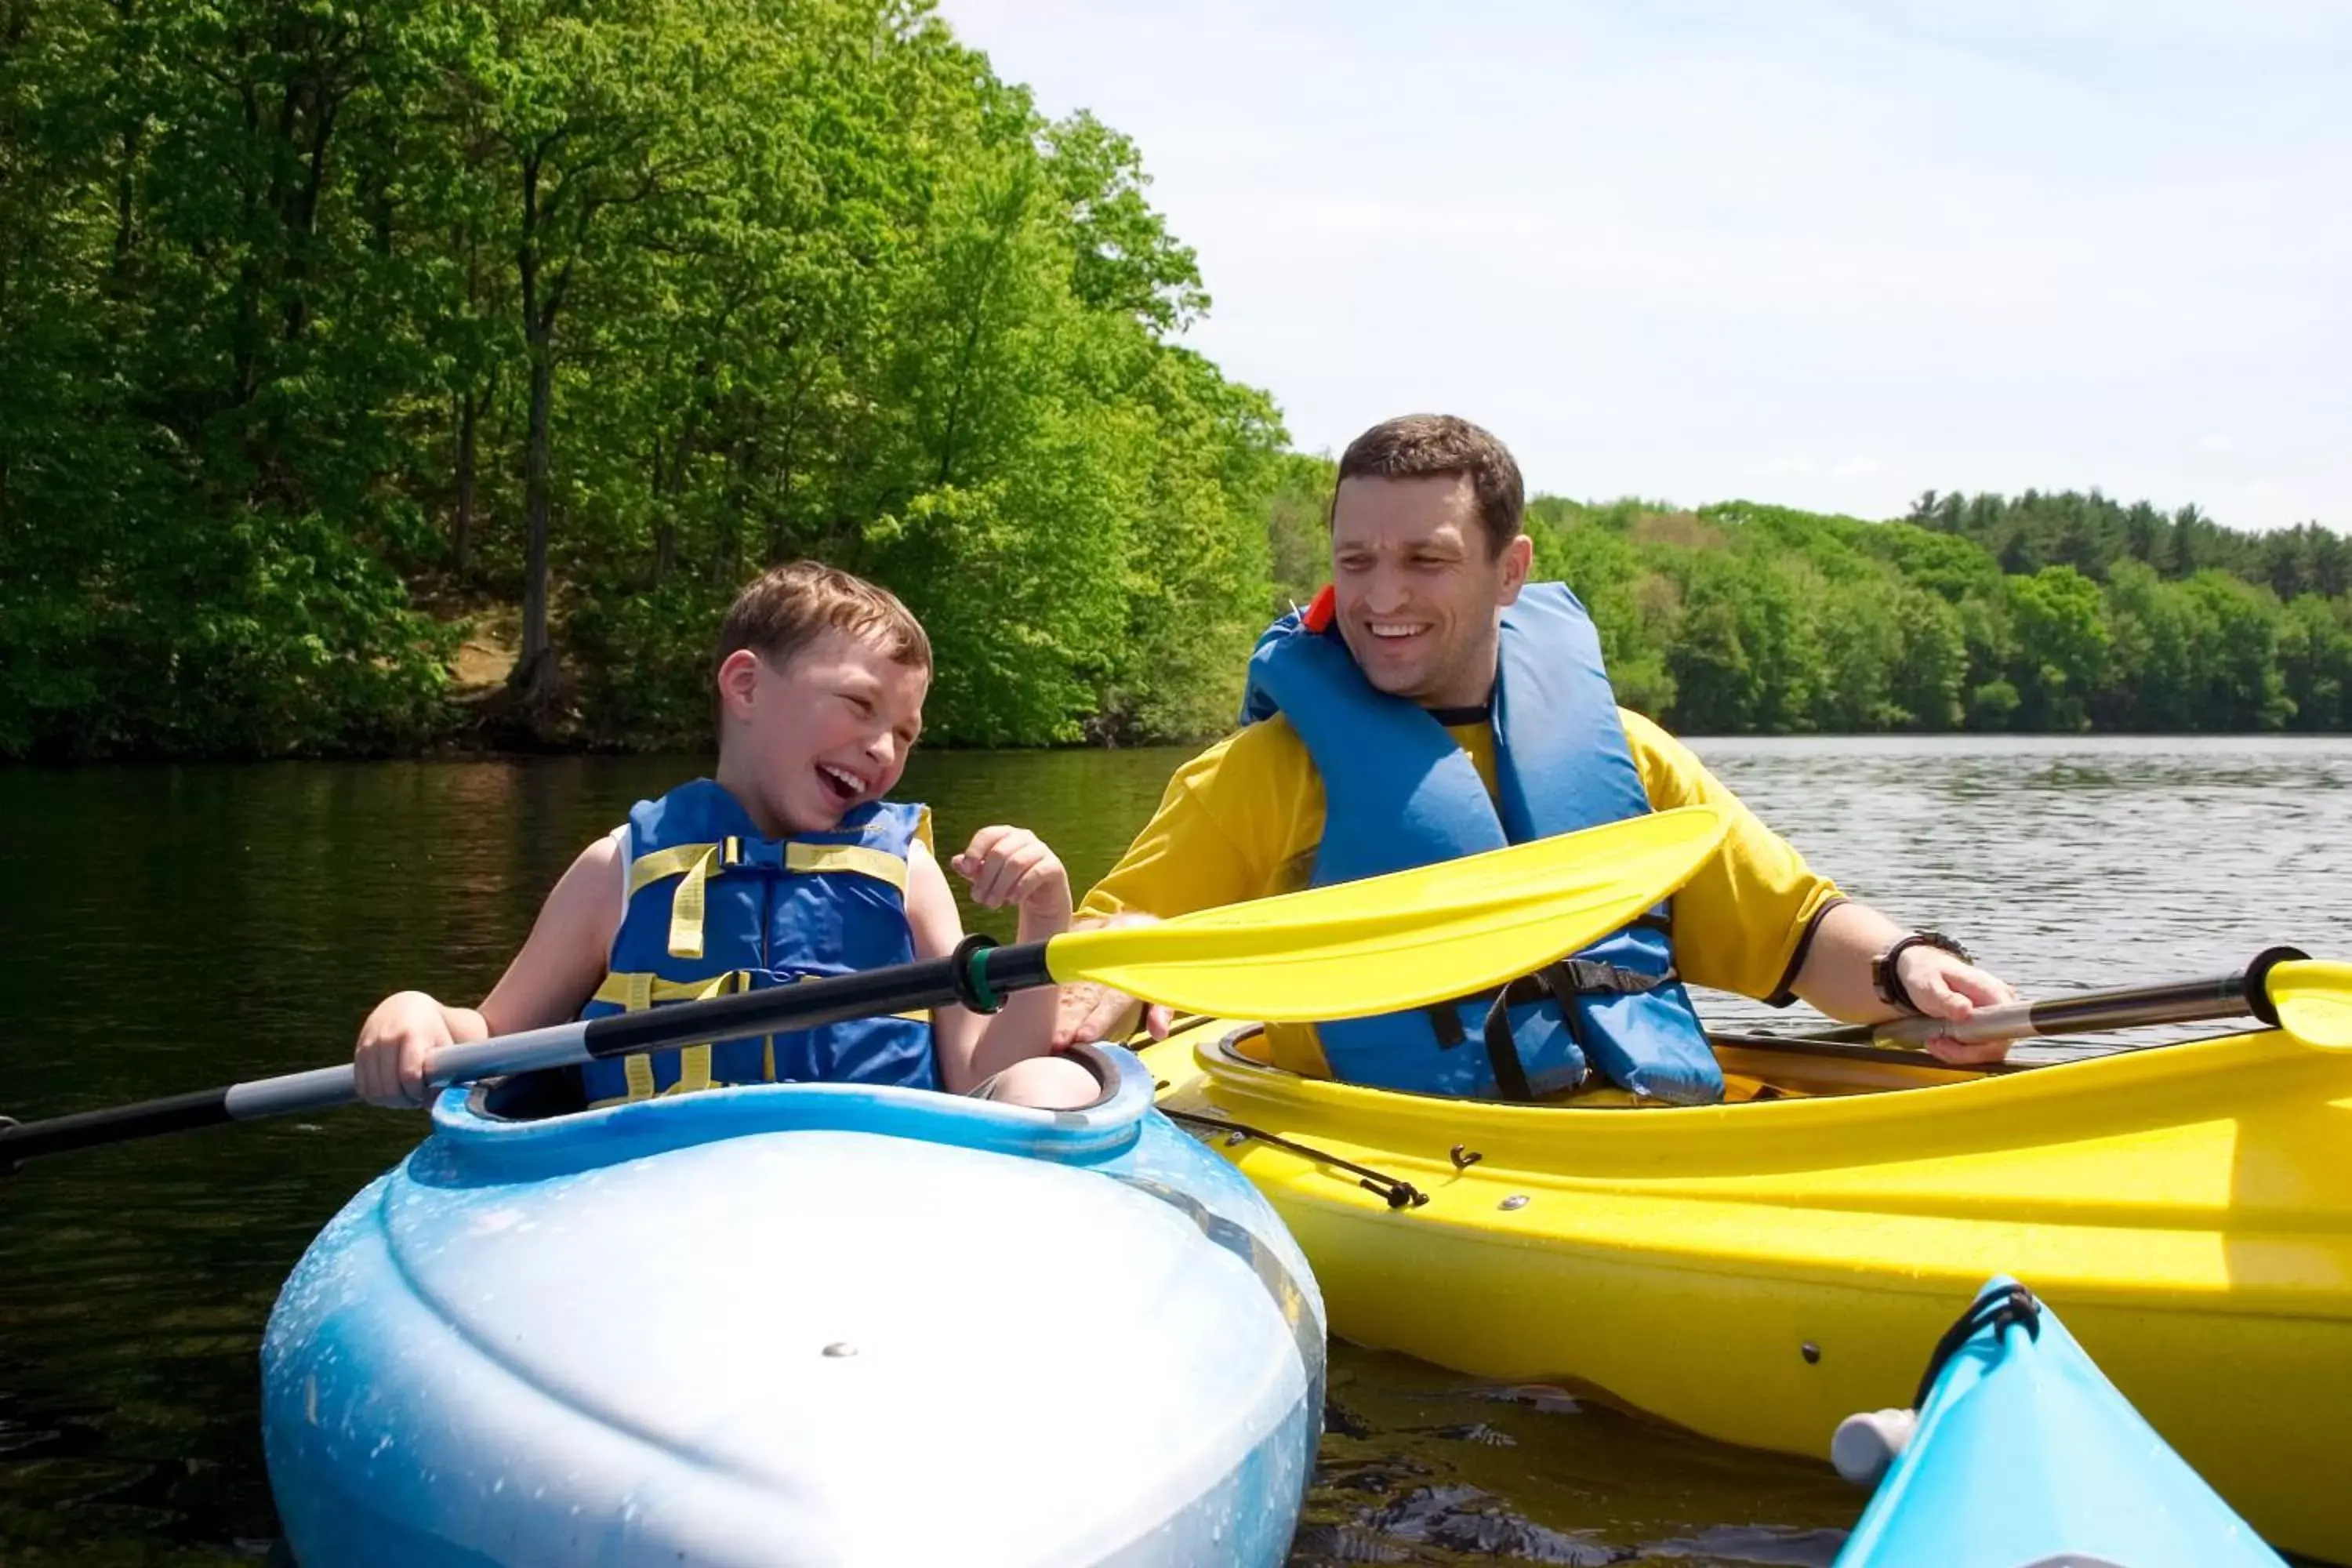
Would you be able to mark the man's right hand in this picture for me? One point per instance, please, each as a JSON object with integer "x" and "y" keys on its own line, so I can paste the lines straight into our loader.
{"x": 1092, "y": 1012}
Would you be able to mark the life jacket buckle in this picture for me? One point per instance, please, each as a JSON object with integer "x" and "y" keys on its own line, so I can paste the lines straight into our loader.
{"x": 756, "y": 855}
{"x": 1595, "y": 977}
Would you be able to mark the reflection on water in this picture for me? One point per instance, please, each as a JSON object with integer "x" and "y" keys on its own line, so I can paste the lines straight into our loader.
{"x": 170, "y": 928}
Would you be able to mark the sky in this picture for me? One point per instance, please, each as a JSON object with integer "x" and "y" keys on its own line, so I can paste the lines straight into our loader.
{"x": 1822, "y": 254}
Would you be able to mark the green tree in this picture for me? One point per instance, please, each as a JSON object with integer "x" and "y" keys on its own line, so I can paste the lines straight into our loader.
{"x": 2314, "y": 652}
{"x": 2061, "y": 647}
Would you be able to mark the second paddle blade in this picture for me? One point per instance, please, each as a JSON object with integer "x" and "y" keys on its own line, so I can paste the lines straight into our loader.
{"x": 1410, "y": 939}
{"x": 2314, "y": 998}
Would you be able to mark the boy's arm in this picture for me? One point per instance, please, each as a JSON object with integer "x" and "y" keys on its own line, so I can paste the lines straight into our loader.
{"x": 548, "y": 981}
{"x": 1005, "y": 865}
{"x": 564, "y": 959}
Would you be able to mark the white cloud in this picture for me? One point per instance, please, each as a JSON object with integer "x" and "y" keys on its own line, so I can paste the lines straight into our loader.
{"x": 1671, "y": 247}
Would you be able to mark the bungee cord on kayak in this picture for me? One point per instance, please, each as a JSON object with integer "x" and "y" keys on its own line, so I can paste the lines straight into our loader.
{"x": 1991, "y": 1312}
{"x": 1395, "y": 1191}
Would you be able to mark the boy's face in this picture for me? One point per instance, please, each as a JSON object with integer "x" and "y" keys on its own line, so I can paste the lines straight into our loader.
{"x": 828, "y": 731}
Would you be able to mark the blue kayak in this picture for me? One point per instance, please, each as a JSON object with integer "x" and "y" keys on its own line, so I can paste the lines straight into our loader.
{"x": 2024, "y": 1456}
{"x": 817, "y": 1323}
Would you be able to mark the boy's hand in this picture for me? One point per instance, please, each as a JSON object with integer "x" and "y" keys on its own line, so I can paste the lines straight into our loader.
{"x": 1013, "y": 866}
{"x": 394, "y": 1043}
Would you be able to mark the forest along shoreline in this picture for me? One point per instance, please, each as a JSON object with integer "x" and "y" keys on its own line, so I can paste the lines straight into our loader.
{"x": 387, "y": 382}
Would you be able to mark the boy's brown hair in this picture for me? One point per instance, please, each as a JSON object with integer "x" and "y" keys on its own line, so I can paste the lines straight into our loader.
{"x": 1418, "y": 446}
{"x": 789, "y": 606}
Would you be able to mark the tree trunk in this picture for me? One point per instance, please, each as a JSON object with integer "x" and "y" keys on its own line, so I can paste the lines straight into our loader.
{"x": 535, "y": 671}
{"x": 534, "y": 677}
{"x": 461, "y": 524}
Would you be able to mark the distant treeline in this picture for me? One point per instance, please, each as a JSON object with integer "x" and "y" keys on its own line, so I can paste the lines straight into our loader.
{"x": 1740, "y": 618}
{"x": 2046, "y": 612}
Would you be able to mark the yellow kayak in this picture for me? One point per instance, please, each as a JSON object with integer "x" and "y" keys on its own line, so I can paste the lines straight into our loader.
{"x": 1759, "y": 1269}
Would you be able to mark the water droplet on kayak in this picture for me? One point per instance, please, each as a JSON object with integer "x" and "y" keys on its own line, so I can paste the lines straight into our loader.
{"x": 1516, "y": 1201}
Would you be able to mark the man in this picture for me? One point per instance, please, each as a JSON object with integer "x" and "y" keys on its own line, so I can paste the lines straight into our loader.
{"x": 1431, "y": 704}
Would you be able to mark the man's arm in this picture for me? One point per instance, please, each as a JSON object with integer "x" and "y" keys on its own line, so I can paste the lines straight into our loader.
{"x": 1757, "y": 920}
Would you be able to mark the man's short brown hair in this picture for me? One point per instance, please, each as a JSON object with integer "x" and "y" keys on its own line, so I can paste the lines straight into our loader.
{"x": 789, "y": 606}
{"x": 1420, "y": 446}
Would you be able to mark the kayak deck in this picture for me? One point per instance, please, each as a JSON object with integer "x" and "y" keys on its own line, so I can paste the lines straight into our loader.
{"x": 1756, "y": 1270}
{"x": 745, "y": 1325}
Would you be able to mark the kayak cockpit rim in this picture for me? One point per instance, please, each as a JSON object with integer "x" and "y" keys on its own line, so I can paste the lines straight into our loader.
{"x": 475, "y": 1125}
{"x": 1230, "y": 1053}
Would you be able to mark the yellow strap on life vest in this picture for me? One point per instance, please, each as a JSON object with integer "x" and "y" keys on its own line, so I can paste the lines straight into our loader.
{"x": 693, "y": 864}
{"x": 696, "y": 864}
{"x": 855, "y": 859}
{"x": 635, "y": 991}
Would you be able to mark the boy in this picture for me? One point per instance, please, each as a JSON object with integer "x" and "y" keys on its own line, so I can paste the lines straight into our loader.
{"x": 788, "y": 864}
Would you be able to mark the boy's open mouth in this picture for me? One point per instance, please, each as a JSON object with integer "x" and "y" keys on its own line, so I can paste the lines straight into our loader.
{"x": 841, "y": 786}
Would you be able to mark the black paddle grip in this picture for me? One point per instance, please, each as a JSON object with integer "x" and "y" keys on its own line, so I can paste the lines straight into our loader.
{"x": 813, "y": 1004}
{"x": 89, "y": 1128}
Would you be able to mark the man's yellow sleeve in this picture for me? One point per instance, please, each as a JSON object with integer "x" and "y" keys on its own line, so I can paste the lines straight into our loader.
{"x": 1742, "y": 922}
{"x": 1232, "y": 825}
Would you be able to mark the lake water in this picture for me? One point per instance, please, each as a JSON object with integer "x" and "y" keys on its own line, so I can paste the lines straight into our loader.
{"x": 171, "y": 929}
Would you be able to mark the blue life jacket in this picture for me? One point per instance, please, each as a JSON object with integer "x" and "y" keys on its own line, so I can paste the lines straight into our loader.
{"x": 1400, "y": 793}
{"x": 714, "y": 907}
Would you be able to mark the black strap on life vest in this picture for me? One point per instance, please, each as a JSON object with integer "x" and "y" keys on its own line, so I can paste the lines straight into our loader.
{"x": 1564, "y": 982}
{"x": 1502, "y": 1046}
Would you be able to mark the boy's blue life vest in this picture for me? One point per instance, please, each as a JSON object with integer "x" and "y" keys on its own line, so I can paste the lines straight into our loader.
{"x": 714, "y": 907}
{"x": 1400, "y": 793}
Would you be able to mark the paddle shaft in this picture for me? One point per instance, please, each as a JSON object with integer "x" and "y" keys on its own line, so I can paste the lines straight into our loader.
{"x": 975, "y": 975}
{"x": 2232, "y": 995}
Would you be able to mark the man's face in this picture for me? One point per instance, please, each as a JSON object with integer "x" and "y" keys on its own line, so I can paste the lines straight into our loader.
{"x": 1418, "y": 596}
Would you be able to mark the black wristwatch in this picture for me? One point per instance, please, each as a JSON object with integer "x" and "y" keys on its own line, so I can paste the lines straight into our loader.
{"x": 1888, "y": 983}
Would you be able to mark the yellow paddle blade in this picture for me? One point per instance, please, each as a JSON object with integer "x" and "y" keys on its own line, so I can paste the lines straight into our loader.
{"x": 1406, "y": 940}
{"x": 2314, "y": 998}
